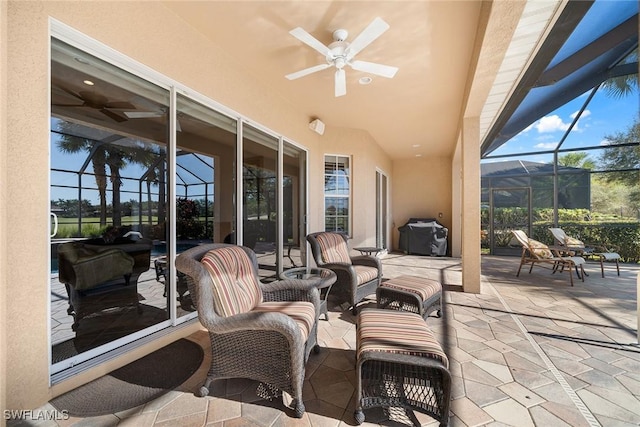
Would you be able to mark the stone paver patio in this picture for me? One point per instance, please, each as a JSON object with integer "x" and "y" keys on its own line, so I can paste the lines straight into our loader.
{"x": 526, "y": 351}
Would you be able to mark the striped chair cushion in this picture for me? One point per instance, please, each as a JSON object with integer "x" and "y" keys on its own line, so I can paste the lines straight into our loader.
{"x": 393, "y": 331}
{"x": 301, "y": 311}
{"x": 333, "y": 248}
{"x": 235, "y": 284}
{"x": 365, "y": 274}
{"x": 423, "y": 287}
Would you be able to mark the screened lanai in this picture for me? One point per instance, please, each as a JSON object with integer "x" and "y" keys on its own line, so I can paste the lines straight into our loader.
{"x": 565, "y": 152}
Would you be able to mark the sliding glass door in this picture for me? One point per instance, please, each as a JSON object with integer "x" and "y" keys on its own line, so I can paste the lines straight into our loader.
{"x": 140, "y": 172}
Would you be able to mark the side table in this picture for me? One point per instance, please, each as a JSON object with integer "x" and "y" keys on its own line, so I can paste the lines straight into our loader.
{"x": 321, "y": 278}
{"x": 368, "y": 250}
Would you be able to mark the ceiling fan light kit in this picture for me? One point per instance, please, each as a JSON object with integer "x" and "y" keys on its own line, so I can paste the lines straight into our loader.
{"x": 341, "y": 53}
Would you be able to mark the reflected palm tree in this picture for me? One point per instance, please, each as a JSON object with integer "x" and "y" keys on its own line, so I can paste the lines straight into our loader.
{"x": 103, "y": 153}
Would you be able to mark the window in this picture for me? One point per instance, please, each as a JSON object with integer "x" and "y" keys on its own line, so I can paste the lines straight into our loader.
{"x": 337, "y": 193}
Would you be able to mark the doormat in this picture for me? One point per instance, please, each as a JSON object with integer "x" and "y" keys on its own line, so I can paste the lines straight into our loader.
{"x": 135, "y": 384}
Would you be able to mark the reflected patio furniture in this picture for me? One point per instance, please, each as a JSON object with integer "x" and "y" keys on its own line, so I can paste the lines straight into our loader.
{"x": 358, "y": 276}
{"x": 535, "y": 252}
{"x": 599, "y": 252}
{"x": 100, "y": 276}
{"x": 263, "y": 332}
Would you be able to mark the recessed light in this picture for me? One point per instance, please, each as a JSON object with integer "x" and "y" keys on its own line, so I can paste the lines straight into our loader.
{"x": 416, "y": 145}
{"x": 418, "y": 155}
{"x": 365, "y": 80}
{"x": 88, "y": 82}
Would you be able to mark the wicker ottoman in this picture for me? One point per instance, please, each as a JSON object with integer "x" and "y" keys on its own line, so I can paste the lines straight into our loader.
{"x": 411, "y": 293}
{"x": 399, "y": 363}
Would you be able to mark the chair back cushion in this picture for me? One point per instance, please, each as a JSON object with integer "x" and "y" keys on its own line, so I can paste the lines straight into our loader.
{"x": 333, "y": 248}
{"x": 572, "y": 241}
{"x": 235, "y": 285}
{"x": 539, "y": 249}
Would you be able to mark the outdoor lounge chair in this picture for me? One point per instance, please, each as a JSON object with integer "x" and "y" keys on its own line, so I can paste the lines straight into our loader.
{"x": 263, "y": 332}
{"x": 601, "y": 253}
{"x": 537, "y": 252}
{"x": 358, "y": 276}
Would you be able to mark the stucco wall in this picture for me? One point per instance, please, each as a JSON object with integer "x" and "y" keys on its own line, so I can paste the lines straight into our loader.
{"x": 149, "y": 34}
{"x": 421, "y": 188}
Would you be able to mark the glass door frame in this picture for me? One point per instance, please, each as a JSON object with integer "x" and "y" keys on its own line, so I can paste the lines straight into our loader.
{"x": 382, "y": 209}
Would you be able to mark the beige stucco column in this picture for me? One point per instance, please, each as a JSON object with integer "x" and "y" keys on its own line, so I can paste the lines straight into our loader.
{"x": 470, "y": 175}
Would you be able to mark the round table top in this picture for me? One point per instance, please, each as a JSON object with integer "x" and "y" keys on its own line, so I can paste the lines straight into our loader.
{"x": 371, "y": 249}
{"x": 323, "y": 276}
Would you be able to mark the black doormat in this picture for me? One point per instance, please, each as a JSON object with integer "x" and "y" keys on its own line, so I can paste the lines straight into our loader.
{"x": 135, "y": 384}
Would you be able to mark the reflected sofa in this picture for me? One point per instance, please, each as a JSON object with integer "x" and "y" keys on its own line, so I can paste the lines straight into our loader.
{"x": 100, "y": 275}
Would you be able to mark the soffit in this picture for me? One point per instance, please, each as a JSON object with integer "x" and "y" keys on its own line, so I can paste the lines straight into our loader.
{"x": 582, "y": 50}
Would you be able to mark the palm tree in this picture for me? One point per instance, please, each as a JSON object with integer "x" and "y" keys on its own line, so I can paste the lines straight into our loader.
{"x": 105, "y": 154}
{"x": 621, "y": 86}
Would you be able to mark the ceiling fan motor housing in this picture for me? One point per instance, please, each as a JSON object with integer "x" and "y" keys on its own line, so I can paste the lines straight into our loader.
{"x": 338, "y": 54}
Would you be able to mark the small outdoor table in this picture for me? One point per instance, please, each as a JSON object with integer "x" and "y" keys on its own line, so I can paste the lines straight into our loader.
{"x": 368, "y": 250}
{"x": 321, "y": 278}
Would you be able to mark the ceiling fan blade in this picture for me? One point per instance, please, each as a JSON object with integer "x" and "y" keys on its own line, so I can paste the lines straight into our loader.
{"x": 142, "y": 114}
{"x": 373, "y": 68}
{"x": 68, "y": 105}
{"x": 367, "y": 36}
{"x": 341, "y": 82}
{"x": 70, "y": 92}
{"x": 307, "y": 71}
{"x": 113, "y": 115}
{"x": 120, "y": 105}
{"x": 310, "y": 41}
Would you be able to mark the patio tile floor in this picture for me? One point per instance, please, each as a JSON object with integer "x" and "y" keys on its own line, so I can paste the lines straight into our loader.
{"x": 526, "y": 351}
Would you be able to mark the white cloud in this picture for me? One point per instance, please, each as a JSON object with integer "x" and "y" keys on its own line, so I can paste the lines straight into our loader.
{"x": 585, "y": 113}
{"x": 605, "y": 142}
{"x": 551, "y": 124}
{"x": 547, "y": 145}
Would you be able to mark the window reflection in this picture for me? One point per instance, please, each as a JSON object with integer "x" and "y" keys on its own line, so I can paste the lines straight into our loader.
{"x": 108, "y": 193}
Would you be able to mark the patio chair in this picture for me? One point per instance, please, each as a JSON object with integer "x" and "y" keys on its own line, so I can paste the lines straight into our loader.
{"x": 535, "y": 252}
{"x": 358, "y": 276}
{"x": 600, "y": 252}
{"x": 263, "y": 332}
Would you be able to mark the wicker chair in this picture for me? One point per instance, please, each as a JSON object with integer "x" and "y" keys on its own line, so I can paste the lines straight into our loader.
{"x": 358, "y": 276}
{"x": 263, "y": 332}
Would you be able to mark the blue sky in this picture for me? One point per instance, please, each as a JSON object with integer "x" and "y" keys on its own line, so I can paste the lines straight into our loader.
{"x": 603, "y": 116}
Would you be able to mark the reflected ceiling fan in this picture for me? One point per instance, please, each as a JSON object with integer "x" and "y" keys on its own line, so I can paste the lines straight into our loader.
{"x": 341, "y": 53}
{"x": 152, "y": 114}
{"x": 98, "y": 102}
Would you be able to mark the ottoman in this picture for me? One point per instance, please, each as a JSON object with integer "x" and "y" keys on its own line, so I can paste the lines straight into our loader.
{"x": 411, "y": 293}
{"x": 399, "y": 363}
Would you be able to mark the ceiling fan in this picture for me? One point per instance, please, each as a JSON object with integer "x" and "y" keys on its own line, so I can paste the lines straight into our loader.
{"x": 98, "y": 102}
{"x": 341, "y": 53}
{"x": 151, "y": 114}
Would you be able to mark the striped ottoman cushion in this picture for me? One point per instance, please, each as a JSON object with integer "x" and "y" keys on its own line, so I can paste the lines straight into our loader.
{"x": 420, "y": 286}
{"x": 401, "y": 332}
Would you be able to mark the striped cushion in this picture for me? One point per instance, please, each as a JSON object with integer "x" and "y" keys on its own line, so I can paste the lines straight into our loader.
{"x": 235, "y": 284}
{"x": 365, "y": 274}
{"x": 301, "y": 311}
{"x": 393, "y": 331}
{"x": 423, "y": 287}
{"x": 333, "y": 248}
